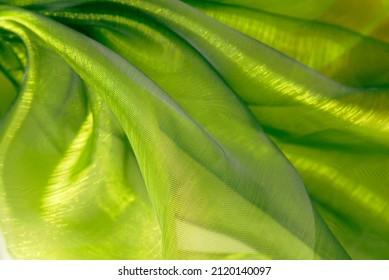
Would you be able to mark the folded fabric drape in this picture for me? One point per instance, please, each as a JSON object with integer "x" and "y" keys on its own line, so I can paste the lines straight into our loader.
{"x": 166, "y": 129}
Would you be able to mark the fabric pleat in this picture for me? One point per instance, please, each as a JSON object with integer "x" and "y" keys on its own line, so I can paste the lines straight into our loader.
{"x": 167, "y": 129}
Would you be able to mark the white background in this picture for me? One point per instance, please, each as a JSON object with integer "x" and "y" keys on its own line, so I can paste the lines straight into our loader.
{"x": 108, "y": 270}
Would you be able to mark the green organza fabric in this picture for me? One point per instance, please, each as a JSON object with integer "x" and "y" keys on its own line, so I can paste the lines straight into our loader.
{"x": 166, "y": 129}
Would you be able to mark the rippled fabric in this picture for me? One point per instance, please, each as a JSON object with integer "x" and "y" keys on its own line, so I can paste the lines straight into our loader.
{"x": 166, "y": 129}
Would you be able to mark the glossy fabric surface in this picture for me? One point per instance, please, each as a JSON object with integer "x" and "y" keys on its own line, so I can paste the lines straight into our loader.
{"x": 166, "y": 129}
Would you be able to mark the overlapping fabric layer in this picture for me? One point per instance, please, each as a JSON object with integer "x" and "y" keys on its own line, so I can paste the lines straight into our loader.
{"x": 194, "y": 130}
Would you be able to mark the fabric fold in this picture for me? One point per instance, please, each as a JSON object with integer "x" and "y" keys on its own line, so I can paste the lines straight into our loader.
{"x": 149, "y": 130}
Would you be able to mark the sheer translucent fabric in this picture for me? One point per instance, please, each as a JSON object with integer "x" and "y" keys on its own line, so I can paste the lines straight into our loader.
{"x": 166, "y": 129}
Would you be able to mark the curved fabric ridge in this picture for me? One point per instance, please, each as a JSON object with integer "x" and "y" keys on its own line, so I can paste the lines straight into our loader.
{"x": 368, "y": 18}
{"x": 338, "y": 53}
{"x": 157, "y": 131}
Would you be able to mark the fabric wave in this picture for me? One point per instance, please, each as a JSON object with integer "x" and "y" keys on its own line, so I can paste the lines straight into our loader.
{"x": 193, "y": 130}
